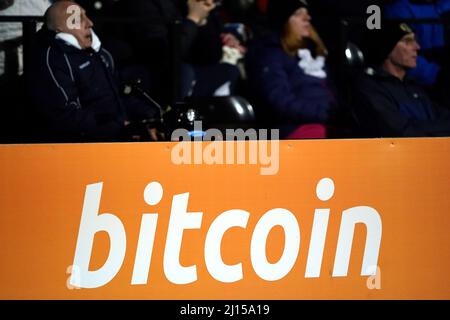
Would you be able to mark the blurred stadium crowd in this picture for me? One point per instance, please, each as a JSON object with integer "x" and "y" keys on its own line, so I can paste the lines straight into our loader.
{"x": 135, "y": 70}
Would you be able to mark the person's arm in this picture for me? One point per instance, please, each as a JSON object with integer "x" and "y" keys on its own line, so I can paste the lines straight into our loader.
{"x": 197, "y": 16}
{"x": 151, "y": 29}
{"x": 55, "y": 97}
{"x": 189, "y": 33}
{"x": 144, "y": 115}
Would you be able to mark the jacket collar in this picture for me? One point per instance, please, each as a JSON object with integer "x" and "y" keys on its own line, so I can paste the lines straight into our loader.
{"x": 380, "y": 73}
{"x": 71, "y": 41}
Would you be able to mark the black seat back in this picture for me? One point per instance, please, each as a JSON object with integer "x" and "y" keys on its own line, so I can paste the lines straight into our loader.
{"x": 230, "y": 112}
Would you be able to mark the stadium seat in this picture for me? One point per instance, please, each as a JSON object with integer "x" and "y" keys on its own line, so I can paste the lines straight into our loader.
{"x": 230, "y": 112}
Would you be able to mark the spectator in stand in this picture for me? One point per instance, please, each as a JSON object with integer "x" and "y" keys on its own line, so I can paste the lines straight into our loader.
{"x": 431, "y": 36}
{"x": 73, "y": 87}
{"x": 387, "y": 103}
{"x": 287, "y": 71}
{"x": 433, "y": 64}
{"x": 206, "y": 70}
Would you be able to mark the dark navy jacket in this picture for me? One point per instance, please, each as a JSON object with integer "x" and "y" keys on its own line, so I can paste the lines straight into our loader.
{"x": 430, "y": 36}
{"x": 75, "y": 94}
{"x": 283, "y": 88}
{"x": 150, "y": 34}
{"x": 386, "y": 106}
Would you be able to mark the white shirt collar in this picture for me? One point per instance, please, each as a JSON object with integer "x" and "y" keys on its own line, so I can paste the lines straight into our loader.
{"x": 72, "y": 41}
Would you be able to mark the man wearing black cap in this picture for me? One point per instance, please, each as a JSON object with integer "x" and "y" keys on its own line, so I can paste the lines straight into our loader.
{"x": 387, "y": 103}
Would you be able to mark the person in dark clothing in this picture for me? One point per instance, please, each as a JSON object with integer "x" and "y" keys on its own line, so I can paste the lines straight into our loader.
{"x": 433, "y": 62}
{"x": 431, "y": 37}
{"x": 200, "y": 43}
{"x": 150, "y": 34}
{"x": 72, "y": 84}
{"x": 287, "y": 72}
{"x": 387, "y": 103}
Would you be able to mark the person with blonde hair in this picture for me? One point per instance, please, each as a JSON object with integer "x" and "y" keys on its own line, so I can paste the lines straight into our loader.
{"x": 287, "y": 70}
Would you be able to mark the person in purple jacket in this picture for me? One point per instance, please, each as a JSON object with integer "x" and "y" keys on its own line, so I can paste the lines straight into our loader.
{"x": 286, "y": 70}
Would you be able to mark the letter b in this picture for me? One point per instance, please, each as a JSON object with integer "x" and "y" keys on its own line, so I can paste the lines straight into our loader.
{"x": 91, "y": 223}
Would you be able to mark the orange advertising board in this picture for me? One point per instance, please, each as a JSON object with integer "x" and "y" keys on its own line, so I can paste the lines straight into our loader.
{"x": 350, "y": 219}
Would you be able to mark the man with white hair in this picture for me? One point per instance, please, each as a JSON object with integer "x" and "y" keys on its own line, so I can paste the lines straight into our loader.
{"x": 72, "y": 82}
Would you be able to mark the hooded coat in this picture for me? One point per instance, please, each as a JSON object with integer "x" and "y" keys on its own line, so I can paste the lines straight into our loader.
{"x": 75, "y": 94}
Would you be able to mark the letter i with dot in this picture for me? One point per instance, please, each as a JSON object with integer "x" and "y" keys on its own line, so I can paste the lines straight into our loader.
{"x": 324, "y": 191}
{"x": 153, "y": 194}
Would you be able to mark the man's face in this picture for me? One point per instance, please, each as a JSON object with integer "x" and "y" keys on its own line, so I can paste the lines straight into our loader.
{"x": 405, "y": 52}
{"x": 77, "y": 23}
